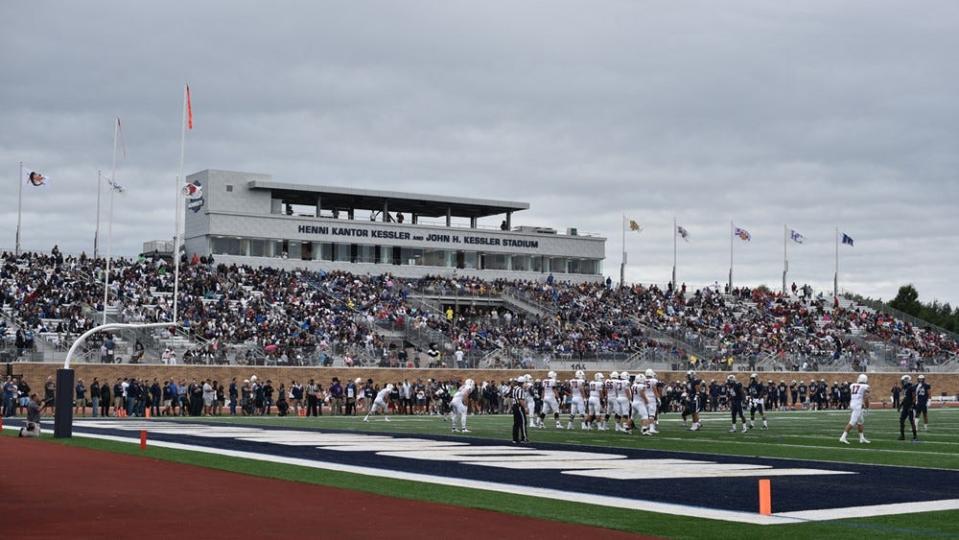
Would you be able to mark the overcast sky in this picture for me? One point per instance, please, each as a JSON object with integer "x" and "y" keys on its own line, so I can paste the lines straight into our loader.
{"x": 830, "y": 114}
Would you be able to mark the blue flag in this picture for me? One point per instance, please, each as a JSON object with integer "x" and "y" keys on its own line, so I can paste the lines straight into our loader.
{"x": 846, "y": 239}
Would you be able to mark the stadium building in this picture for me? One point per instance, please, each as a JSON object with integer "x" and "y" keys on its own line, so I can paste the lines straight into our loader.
{"x": 248, "y": 218}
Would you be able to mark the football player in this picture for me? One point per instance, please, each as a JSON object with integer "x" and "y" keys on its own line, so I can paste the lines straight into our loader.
{"x": 653, "y": 395}
{"x": 859, "y": 400}
{"x": 622, "y": 402}
{"x": 550, "y": 405}
{"x": 458, "y": 405}
{"x": 380, "y": 403}
{"x": 530, "y": 390}
{"x": 640, "y": 404}
{"x": 757, "y": 401}
{"x": 922, "y": 401}
{"x": 907, "y": 408}
{"x": 594, "y": 404}
{"x": 692, "y": 399}
{"x": 612, "y": 388}
{"x": 736, "y": 397}
{"x": 577, "y": 406}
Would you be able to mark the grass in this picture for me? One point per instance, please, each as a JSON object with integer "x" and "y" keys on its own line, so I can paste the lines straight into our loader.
{"x": 805, "y": 435}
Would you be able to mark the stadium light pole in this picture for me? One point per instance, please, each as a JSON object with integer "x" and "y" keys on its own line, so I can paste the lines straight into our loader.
{"x": 96, "y": 233}
{"x": 63, "y": 411}
{"x": 19, "y": 205}
{"x": 785, "y": 258}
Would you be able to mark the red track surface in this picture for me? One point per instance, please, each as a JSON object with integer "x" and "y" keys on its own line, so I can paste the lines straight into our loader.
{"x": 54, "y": 491}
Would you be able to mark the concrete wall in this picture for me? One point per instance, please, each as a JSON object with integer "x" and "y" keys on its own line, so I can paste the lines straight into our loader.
{"x": 36, "y": 374}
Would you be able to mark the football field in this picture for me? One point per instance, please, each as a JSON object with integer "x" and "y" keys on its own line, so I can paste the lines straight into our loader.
{"x": 676, "y": 484}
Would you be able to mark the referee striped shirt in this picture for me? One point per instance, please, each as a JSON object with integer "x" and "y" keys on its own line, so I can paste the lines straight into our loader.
{"x": 518, "y": 394}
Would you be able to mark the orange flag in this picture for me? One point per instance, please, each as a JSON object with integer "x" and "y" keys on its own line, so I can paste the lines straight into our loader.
{"x": 189, "y": 109}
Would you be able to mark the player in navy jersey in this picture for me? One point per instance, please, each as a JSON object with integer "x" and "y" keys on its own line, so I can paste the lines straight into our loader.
{"x": 923, "y": 390}
{"x": 693, "y": 384}
{"x": 907, "y": 408}
{"x": 757, "y": 401}
{"x": 737, "y": 395}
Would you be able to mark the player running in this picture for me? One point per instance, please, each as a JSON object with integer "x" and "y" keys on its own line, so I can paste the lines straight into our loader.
{"x": 859, "y": 400}
{"x": 458, "y": 405}
{"x": 736, "y": 397}
{"x": 577, "y": 405}
{"x": 757, "y": 401}
{"x": 923, "y": 390}
{"x": 550, "y": 404}
{"x": 380, "y": 403}
{"x": 530, "y": 390}
{"x": 594, "y": 406}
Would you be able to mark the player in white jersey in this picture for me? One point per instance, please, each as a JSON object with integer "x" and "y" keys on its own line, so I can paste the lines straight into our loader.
{"x": 610, "y": 387}
{"x": 458, "y": 405}
{"x": 550, "y": 405}
{"x": 594, "y": 405}
{"x": 622, "y": 401}
{"x": 380, "y": 403}
{"x": 577, "y": 405}
{"x": 529, "y": 388}
{"x": 641, "y": 404}
{"x": 652, "y": 399}
{"x": 858, "y": 400}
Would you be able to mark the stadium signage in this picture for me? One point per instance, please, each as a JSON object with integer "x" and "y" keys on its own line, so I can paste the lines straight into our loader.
{"x": 431, "y": 238}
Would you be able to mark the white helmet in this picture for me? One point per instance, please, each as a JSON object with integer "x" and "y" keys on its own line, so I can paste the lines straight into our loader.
{"x": 906, "y": 378}
{"x": 551, "y": 375}
{"x": 528, "y": 378}
{"x": 598, "y": 377}
{"x": 650, "y": 373}
{"x": 469, "y": 382}
{"x": 389, "y": 387}
{"x": 358, "y": 380}
{"x": 641, "y": 379}
{"x": 921, "y": 377}
{"x": 614, "y": 375}
{"x": 730, "y": 378}
{"x": 690, "y": 373}
{"x": 580, "y": 374}
{"x": 624, "y": 376}
{"x": 863, "y": 379}
{"x": 253, "y": 378}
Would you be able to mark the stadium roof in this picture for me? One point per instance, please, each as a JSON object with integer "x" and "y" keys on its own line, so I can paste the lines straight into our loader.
{"x": 369, "y": 199}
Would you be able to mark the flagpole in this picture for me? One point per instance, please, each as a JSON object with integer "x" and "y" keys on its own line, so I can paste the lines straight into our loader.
{"x": 835, "y": 280}
{"x": 96, "y": 234}
{"x": 785, "y": 257}
{"x": 176, "y": 235}
{"x": 731, "y": 256}
{"x": 19, "y": 205}
{"x": 622, "y": 265}
{"x": 674, "y": 252}
{"x": 113, "y": 178}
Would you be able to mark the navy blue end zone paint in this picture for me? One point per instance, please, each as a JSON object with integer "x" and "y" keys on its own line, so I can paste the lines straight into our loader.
{"x": 871, "y": 485}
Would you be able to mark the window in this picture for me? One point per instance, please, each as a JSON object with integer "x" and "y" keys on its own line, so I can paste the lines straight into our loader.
{"x": 229, "y": 188}
{"x": 226, "y": 246}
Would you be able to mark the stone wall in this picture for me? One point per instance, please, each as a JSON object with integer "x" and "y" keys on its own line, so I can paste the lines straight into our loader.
{"x": 36, "y": 374}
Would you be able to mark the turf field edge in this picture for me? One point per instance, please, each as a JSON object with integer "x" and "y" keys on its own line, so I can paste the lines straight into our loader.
{"x": 943, "y": 524}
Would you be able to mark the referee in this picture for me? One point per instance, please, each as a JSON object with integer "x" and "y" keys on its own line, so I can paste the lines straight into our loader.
{"x": 518, "y": 393}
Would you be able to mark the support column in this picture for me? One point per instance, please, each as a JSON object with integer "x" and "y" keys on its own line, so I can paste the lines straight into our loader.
{"x": 472, "y": 223}
{"x": 63, "y": 409}
{"x": 449, "y": 217}
{"x": 509, "y": 221}
{"x": 319, "y": 205}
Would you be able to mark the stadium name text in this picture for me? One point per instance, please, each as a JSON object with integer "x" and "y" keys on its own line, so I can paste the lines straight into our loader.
{"x": 353, "y": 232}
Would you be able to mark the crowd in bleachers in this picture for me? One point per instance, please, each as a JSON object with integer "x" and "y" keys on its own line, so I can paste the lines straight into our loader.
{"x": 295, "y": 317}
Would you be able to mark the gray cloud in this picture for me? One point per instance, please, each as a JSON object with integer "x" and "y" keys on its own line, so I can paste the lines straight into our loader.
{"x": 817, "y": 115}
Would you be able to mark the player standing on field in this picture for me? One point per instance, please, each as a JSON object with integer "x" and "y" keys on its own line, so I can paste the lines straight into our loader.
{"x": 859, "y": 400}
{"x": 380, "y": 404}
{"x": 736, "y": 397}
{"x": 653, "y": 395}
{"x": 923, "y": 390}
{"x": 458, "y": 405}
{"x": 692, "y": 399}
{"x": 757, "y": 401}
{"x": 907, "y": 408}
{"x": 577, "y": 405}
{"x": 594, "y": 406}
{"x": 518, "y": 393}
{"x": 550, "y": 404}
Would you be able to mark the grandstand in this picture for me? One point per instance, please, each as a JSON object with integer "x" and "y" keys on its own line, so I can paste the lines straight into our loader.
{"x": 244, "y": 314}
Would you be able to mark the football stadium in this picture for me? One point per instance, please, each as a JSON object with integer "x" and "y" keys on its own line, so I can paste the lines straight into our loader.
{"x": 409, "y": 332}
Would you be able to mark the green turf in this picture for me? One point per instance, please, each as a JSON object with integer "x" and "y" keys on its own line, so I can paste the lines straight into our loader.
{"x": 810, "y": 436}
{"x": 792, "y": 434}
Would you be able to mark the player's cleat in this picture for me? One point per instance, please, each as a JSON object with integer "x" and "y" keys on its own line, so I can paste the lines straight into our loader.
{"x": 568, "y": 426}
{"x": 732, "y": 429}
{"x": 863, "y": 440}
{"x": 925, "y": 427}
{"x": 560, "y": 426}
{"x": 455, "y": 430}
{"x": 366, "y": 419}
{"x": 843, "y": 439}
{"x": 694, "y": 427}
{"x": 745, "y": 428}
{"x": 465, "y": 430}
{"x": 387, "y": 419}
